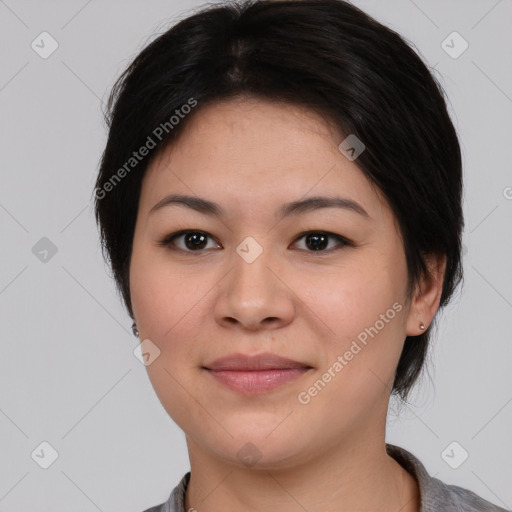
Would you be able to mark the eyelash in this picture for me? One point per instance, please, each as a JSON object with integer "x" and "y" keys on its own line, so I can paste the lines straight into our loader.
{"x": 168, "y": 241}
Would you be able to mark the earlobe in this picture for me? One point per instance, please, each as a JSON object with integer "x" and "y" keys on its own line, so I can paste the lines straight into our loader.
{"x": 427, "y": 296}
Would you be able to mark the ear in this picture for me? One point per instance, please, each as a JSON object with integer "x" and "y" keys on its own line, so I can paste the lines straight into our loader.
{"x": 426, "y": 298}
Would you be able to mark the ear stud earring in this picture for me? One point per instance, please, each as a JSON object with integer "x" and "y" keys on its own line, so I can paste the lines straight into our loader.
{"x": 422, "y": 326}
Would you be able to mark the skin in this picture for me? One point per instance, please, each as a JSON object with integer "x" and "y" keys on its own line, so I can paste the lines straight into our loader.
{"x": 250, "y": 156}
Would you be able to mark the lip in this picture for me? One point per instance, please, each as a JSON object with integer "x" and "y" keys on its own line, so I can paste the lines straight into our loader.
{"x": 255, "y": 382}
{"x": 244, "y": 362}
{"x": 252, "y": 375}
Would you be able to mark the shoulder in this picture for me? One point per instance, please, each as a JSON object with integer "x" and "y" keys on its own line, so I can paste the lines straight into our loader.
{"x": 468, "y": 501}
{"x": 176, "y": 501}
{"x": 436, "y": 496}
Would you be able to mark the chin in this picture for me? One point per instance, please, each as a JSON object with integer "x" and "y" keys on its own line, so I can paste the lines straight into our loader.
{"x": 260, "y": 449}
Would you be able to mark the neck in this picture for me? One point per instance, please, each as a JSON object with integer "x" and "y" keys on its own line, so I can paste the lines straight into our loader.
{"x": 351, "y": 476}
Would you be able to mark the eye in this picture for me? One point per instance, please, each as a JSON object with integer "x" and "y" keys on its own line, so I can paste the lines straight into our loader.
{"x": 317, "y": 241}
{"x": 196, "y": 241}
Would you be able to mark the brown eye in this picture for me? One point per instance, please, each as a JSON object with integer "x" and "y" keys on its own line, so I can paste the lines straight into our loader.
{"x": 318, "y": 241}
{"x": 193, "y": 241}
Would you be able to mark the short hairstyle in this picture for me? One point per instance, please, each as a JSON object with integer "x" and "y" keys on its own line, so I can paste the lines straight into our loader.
{"x": 323, "y": 55}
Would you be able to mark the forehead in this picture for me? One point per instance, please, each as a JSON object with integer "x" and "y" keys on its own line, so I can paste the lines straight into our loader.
{"x": 251, "y": 135}
{"x": 255, "y": 123}
{"x": 252, "y": 149}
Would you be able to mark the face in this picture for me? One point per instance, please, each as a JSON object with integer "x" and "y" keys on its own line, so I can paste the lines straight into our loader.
{"x": 322, "y": 286}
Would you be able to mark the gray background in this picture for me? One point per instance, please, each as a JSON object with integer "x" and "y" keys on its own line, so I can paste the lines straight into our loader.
{"x": 68, "y": 375}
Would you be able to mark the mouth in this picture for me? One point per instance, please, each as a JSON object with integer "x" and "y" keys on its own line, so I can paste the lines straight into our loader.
{"x": 265, "y": 361}
{"x": 253, "y": 375}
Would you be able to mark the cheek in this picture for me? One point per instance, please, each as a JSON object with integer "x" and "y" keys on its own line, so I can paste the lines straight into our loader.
{"x": 354, "y": 298}
{"x": 162, "y": 296}
{"x": 163, "y": 303}
{"x": 168, "y": 303}
{"x": 364, "y": 315}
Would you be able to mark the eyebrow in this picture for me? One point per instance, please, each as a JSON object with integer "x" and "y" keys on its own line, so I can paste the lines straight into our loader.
{"x": 210, "y": 208}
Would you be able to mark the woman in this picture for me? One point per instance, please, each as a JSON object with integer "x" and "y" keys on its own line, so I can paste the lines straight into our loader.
{"x": 280, "y": 201}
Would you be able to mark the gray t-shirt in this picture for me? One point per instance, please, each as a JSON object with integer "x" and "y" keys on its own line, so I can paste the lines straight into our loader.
{"x": 435, "y": 495}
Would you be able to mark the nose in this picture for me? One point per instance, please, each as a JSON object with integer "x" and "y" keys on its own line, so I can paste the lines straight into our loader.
{"x": 254, "y": 295}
